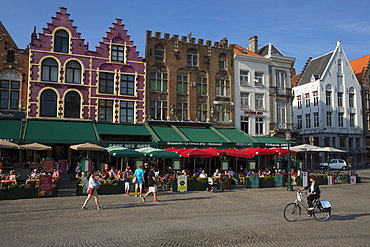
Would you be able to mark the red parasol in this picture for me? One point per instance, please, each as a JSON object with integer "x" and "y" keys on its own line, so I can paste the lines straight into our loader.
{"x": 215, "y": 151}
{"x": 258, "y": 151}
{"x": 283, "y": 151}
{"x": 195, "y": 152}
{"x": 238, "y": 153}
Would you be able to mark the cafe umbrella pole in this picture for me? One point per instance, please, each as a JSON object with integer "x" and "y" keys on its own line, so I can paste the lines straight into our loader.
{"x": 289, "y": 182}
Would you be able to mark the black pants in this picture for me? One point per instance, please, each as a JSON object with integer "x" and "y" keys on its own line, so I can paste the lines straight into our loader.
{"x": 310, "y": 199}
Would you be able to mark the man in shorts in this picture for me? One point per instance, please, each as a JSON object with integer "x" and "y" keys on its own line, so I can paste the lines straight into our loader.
{"x": 152, "y": 185}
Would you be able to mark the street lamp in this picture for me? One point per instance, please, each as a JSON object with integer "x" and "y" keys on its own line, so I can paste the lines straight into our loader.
{"x": 289, "y": 184}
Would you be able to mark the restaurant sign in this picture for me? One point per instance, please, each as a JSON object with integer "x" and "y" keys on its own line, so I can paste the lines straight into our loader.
{"x": 45, "y": 185}
{"x": 12, "y": 115}
{"x": 219, "y": 144}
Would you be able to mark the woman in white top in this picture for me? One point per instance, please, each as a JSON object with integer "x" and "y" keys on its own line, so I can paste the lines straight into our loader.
{"x": 93, "y": 185}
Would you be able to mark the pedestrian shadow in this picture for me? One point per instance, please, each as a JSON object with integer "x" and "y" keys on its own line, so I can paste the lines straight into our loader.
{"x": 343, "y": 217}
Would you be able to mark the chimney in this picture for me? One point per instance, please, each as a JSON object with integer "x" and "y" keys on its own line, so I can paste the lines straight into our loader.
{"x": 33, "y": 35}
{"x": 253, "y": 44}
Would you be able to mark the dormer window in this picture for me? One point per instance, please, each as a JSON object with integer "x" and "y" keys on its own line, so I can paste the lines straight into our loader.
{"x": 118, "y": 53}
{"x": 61, "y": 43}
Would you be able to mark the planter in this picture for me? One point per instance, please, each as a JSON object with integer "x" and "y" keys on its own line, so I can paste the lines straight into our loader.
{"x": 21, "y": 193}
{"x": 201, "y": 186}
{"x": 255, "y": 182}
{"x": 192, "y": 184}
{"x": 266, "y": 182}
{"x": 278, "y": 180}
{"x": 248, "y": 183}
{"x": 109, "y": 189}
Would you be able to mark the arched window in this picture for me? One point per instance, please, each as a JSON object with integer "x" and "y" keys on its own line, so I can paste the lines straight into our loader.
{"x": 49, "y": 70}
{"x": 48, "y": 104}
{"x": 159, "y": 53}
{"x": 72, "y": 105}
{"x": 192, "y": 57}
{"x": 61, "y": 42}
{"x": 73, "y": 72}
{"x": 10, "y": 58}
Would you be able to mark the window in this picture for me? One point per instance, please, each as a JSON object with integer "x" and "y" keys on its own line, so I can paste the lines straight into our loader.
{"x": 281, "y": 111}
{"x": 9, "y": 94}
{"x": 244, "y": 100}
{"x": 72, "y": 105}
{"x": 106, "y": 111}
{"x": 315, "y": 98}
{"x": 49, "y": 70}
{"x": 351, "y": 97}
{"x": 48, "y": 104}
{"x": 367, "y": 99}
{"x": 244, "y": 124}
{"x": 280, "y": 82}
{"x": 159, "y": 53}
{"x": 222, "y": 113}
{"x": 158, "y": 81}
{"x": 307, "y": 99}
{"x": 258, "y": 79}
{"x": 223, "y": 87}
{"x": 118, "y": 53}
{"x": 10, "y": 57}
{"x": 222, "y": 61}
{"x": 340, "y": 99}
{"x": 202, "y": 112}
{"x": 182, "y": 111}
{"x": 340, "y": 119}
{"x": 352, "y": 119}
{"x": 328, "y": 118}
{"x": 61, "y": 41}
{"x": 259, "y": 126}
{"x": 158, "y": 110}
{"x": 106, "y": 83}
{"x": 244, "y": 78}
{"x": 202, "y": 84}
{"x": 259, "y": 102}
{"x": 328, "y": 94}
{"x": 308, "y": 120}
{"x": 126, "y": 112}
{"x": 73, "y": 72}
{"x": 299, "y": 121}
{"x": 182, "y": 83}
{"x": 127, "y": 84}
{"x": 350, "y": 142}
{"x": 299, "y": 101}
{"x": 192, "y": 57}
{"x": 368, "y": 122}
{"x": 315, "y": 119}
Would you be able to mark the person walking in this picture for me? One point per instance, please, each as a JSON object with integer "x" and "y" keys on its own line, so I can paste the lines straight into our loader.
{"x": 126, "y": 180}
{"x": 92, "y": 186}
{"x": 139, "y": 180}
{"x": 152, "y": 185}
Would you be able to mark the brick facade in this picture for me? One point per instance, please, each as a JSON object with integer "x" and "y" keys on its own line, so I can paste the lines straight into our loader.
{"x": 106, "y": 85}
{"x": 13, "y": 76}
{"x": 185, "y": 62}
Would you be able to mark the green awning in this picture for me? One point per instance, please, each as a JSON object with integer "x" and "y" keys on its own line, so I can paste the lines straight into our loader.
{"x": 168, "y": 134}
{"x": 237, "y": 136}
{"x": 272, "y": 142}
{"x": 10, "y": 130}
{"x": 59, "y": 132}
{"x": 202, "y": 135}
{"x": 121, "y": 129}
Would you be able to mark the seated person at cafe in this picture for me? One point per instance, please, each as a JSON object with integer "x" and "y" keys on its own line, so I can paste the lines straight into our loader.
{"x": 266, "y": 172}
{"x": 35, "y": 174}
{"x": 231, "y": 174}
{"x": 11, "y": 175}
{"x": 2, "y": 174}
{"x": 217, "y": 174}
{"x": 199, "y": 171}
{"x": 112, "y": 174}
{"x": 56, "y": 174}
{"x": 104, "y": 175}
{"x": 203, "y": 174}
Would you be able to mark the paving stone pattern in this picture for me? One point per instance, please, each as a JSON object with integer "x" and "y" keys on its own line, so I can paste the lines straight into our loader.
{"x": 239, "y": 217}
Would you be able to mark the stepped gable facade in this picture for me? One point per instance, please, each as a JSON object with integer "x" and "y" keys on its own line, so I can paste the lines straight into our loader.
{"x": 13, "y": 76}
{"x": 189, "y": 81}
{"x": 68, "y": 81}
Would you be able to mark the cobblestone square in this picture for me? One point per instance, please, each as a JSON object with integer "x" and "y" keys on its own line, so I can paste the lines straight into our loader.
{"x": 239, "y": 217}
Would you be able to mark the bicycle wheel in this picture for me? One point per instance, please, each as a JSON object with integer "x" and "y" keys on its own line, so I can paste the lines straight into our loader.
{"x": 292, "y": 212}
{"x": 321, "y": 214}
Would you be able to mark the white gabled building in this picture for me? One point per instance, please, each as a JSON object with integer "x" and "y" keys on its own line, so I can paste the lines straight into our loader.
{"x": 327, "y": 105}
{"x": 262, "y": 89}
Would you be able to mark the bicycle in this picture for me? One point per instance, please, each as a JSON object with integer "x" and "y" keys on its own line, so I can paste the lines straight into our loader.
{"x": 321, "y": 212}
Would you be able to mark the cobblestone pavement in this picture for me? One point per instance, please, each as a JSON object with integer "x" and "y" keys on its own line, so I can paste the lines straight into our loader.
{"x": 240, "y": 217}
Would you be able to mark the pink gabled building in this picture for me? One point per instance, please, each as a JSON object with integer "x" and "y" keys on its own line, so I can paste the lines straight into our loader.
{"x": 69, "y": 82}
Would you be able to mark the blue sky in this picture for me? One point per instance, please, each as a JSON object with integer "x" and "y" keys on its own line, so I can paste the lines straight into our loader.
{"x": 300, "y": 29}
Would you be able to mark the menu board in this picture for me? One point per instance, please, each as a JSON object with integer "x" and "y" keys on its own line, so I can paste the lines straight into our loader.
{"x": 45, "y": 185}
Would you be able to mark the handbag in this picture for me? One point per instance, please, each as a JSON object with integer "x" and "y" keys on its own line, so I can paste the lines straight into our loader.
{"x": 134, "y": 180}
